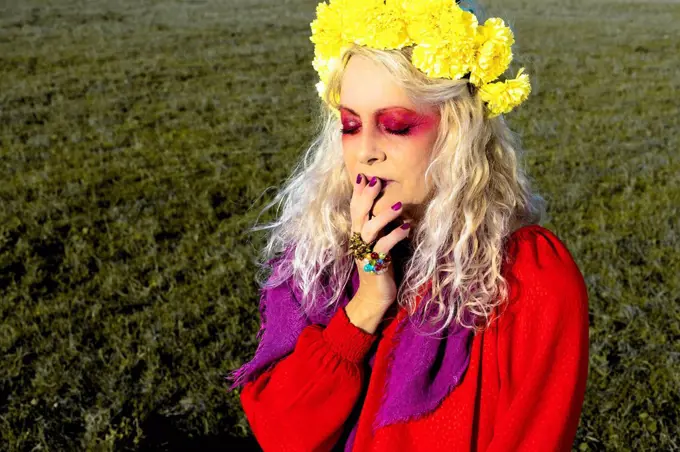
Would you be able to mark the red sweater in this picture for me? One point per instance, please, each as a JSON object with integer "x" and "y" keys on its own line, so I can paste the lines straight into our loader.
{"x": 523, "y": 389}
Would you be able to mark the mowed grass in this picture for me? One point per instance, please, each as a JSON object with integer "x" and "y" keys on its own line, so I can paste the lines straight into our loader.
{"x": 139, "y": 140}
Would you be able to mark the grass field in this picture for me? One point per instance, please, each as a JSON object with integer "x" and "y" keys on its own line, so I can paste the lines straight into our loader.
{"x": 139, "y": 139}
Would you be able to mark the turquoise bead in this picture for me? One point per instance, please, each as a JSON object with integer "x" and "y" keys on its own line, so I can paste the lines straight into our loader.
{"x": 368, "y": 268}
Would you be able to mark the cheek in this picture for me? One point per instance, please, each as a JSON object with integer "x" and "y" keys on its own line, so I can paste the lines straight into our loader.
{"x": 348, "y": 149}
{"x": 417, "y": 146}
{"x": 425, "y": 129}
{"x": 347, "y": 142}
{"x": 349, "y": 156}
{"x": 415, "y": 156}
{"x": 416, "y": 151}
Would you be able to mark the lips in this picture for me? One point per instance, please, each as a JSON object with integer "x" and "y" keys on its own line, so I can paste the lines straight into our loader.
{"x": 383, "y": 182}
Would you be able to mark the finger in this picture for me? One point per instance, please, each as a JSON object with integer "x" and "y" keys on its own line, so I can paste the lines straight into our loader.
{"x": 356, "y": 203}
{"x": 359, "y": 183}
{"x": 367, "y": 198}
{"x": 371, "y": 190}
{"x": 375, "y": 225}
{"x": 385, "y": 244}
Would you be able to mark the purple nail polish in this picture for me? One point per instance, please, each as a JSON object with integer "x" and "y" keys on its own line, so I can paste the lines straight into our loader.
{"x": 373, "y": 181}
{"x": 358, "y": 178}
{"x": 397, "y": 206}
{"x": 406, "y": 225}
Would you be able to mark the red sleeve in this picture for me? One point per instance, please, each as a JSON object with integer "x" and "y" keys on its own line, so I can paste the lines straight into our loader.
{"x": 542, "y": 348}
{"x": 303, "y": 401}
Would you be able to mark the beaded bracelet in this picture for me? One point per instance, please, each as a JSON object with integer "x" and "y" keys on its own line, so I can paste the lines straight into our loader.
{"x": 376, "y": 263}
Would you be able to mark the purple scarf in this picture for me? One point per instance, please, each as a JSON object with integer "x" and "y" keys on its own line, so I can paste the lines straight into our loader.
{"x": 423, "y": 371}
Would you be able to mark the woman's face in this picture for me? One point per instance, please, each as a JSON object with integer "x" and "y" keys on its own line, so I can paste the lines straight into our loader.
{"x": 386, "y": 135}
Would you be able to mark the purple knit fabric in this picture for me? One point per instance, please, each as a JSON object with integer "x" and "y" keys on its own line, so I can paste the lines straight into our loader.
{"x": 423, "y": 370}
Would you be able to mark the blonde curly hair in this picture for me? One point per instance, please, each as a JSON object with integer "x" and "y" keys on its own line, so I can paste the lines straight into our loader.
{"x": 480, "y": 196}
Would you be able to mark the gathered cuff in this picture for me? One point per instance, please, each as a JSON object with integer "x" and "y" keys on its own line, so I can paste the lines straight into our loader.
{"x": 347, "y": 339}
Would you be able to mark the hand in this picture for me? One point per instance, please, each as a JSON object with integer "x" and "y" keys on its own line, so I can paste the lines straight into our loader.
{"x": 376, "y": 292}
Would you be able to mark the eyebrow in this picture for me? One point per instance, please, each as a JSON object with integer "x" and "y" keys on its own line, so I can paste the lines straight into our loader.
{"x": 378, "y": 111}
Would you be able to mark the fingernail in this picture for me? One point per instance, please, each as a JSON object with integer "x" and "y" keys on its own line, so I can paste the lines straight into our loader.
{"x": 373, "y": 181}
{"x": 358, "y": 178}
{"x": 406, "y": 225}
{"x": 397, "y": 206}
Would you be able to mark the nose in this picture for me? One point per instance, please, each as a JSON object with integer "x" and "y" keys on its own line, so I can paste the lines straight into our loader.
{"x": 370, "y": 148}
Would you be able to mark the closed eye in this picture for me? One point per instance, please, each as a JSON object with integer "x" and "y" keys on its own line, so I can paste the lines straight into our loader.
{"x": 349, "y": 131}
{"x": 355, "y": 130}
{"x": 404, "y": 131}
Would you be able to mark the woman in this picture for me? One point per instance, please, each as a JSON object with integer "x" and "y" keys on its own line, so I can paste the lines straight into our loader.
{"x": 415, "y": 304}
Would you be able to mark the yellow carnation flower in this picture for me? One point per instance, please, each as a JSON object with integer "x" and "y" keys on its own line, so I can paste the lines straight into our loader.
{"x": 376, "y": 24}
{"x": 328, "y": 33}
{"x": 502, "y": 97}
{"x": 495, "y": 40}
{"x": 421, "y": 17}
{"x": 445, "y": 36}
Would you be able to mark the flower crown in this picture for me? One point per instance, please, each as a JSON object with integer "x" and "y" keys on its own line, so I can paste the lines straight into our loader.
{"x": 449, "y": 43}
